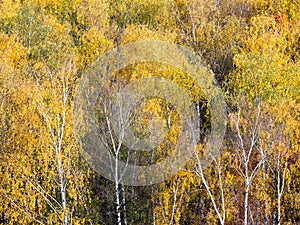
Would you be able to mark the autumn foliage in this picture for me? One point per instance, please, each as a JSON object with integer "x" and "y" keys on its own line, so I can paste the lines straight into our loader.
{"x": 253, "y": 49}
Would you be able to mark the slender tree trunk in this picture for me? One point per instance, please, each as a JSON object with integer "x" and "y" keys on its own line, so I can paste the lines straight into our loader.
{"x": 278, "y": 208}
{"x": 278, "y": 190}
{"x": 63, "y": 197}
{"x": 116, "y": 150}
{"x": 221, "y": 215}
{"x": 246, "y": 206}
{"x": 280, "y": 186}
{"x": 124, "y": 205}
{"x": 200, "y": 172}
{"x": 117, "y": 192}
{"x": 175, "y": 190}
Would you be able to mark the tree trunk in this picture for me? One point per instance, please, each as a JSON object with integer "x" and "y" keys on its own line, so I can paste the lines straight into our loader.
{"x": 246, "y": 206}
{"x": 117, "y": 192}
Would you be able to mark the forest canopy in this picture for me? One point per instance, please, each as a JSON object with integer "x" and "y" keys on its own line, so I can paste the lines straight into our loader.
{"x": 251, "y": 48}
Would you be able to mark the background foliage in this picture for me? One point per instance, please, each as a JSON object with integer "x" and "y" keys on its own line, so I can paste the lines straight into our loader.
{"x": 252, "y": 47}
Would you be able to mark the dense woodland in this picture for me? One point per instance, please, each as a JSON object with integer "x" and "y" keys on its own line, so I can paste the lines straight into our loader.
{"x": 252, "y": 47}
